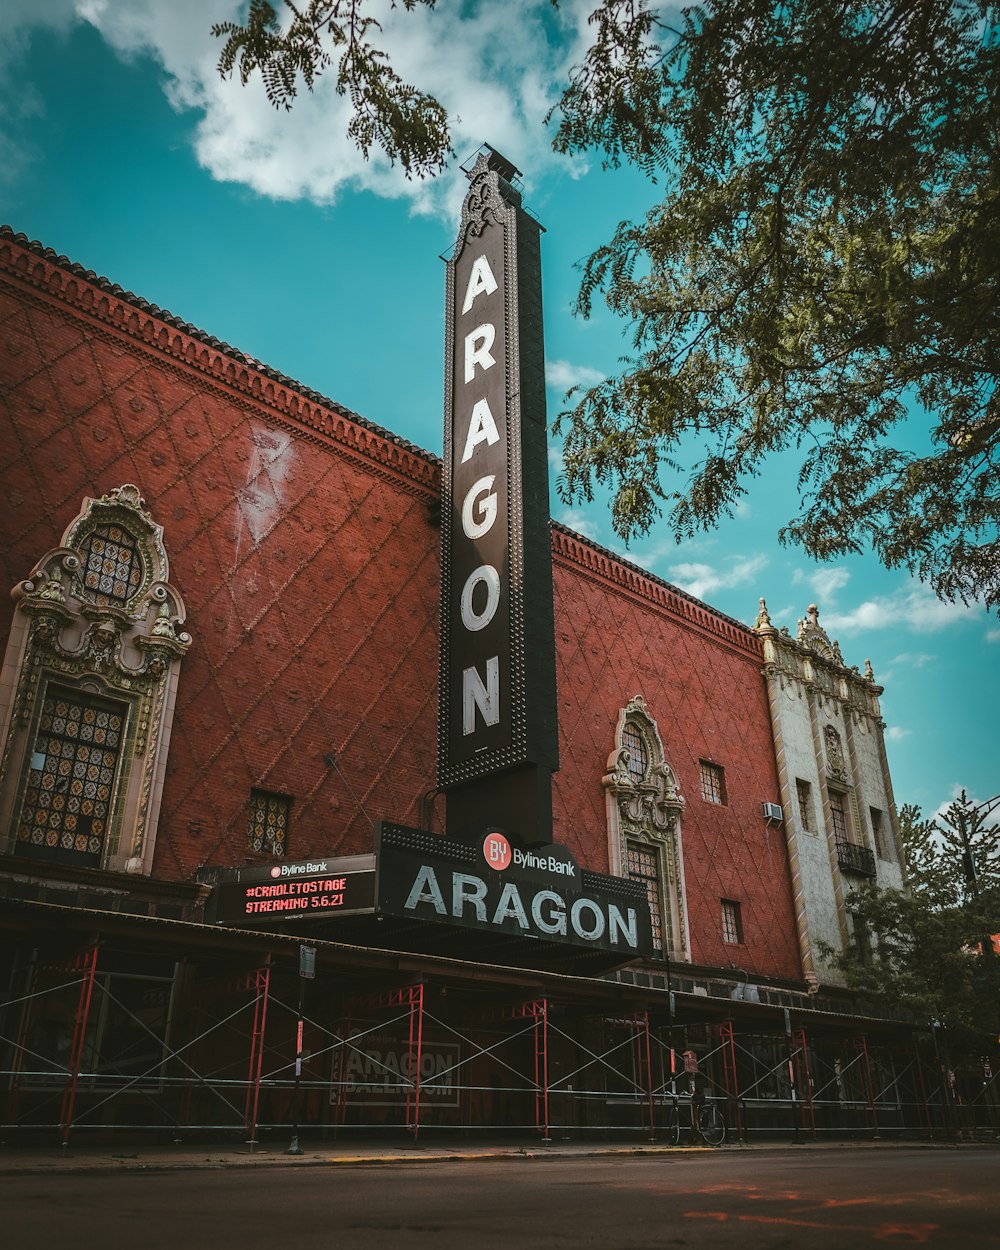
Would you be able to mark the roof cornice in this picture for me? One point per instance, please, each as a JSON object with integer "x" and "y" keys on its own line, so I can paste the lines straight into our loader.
{"x": 604, "y": 566}
{"x": 57, "y": 278}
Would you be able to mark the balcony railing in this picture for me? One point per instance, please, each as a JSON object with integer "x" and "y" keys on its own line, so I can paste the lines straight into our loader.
{"x": 855, "y": 858}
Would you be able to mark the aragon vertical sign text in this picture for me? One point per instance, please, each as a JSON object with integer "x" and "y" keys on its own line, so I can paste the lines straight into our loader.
{"x": 497, "y": 713}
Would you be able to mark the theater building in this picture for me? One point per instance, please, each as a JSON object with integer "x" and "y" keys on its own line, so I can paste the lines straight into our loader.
{"x": 257, "y": 869}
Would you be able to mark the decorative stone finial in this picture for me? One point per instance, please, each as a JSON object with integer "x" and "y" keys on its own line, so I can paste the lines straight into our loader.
{"x": 869, "y": 671}
{"x": 763, "y": 620}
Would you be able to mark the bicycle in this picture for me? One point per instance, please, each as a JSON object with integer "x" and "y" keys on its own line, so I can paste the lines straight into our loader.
{"x": 704, "y": 1121}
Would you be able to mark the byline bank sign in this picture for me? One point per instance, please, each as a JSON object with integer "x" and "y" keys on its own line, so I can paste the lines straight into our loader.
{"x": 500, "y": 887}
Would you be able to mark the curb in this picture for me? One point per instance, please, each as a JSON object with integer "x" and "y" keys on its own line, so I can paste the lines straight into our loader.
{"x": 36, "y": 1165}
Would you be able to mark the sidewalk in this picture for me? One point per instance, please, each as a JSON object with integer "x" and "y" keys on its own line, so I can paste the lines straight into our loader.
{"x": 35, "y": 1160}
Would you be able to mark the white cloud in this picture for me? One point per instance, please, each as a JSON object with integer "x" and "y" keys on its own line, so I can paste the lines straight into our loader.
{"x": 824, "y": 583}
{"x": 20, "y": 18}
{"x": 20, "y": 104}
{"x": 703, "y": 580}
{"x": 577, "y": 519}
{"x": 972, "y": 800}
{"x": 906, "y": 660}
{"x": 496, "y": 68}
{"x": 896, "y": 733}
{"x": 913, "y": 659}
{"x": 993, "y": 635}
{"x": 562, "y": 376}
{"x": 915, "y": 608}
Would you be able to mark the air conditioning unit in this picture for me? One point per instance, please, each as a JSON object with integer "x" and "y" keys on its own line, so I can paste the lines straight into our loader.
{"x": 772, "y": 812}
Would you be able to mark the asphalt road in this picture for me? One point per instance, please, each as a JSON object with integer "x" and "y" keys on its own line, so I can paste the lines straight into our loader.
{"x": 752, "y": 1200}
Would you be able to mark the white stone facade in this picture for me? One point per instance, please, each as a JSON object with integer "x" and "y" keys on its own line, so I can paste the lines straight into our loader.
{"x": 836, "y": 794}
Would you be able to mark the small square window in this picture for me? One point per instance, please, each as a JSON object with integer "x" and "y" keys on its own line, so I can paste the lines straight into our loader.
{"x": 267, "y": 831}
{"x": 713, "y": 782}
{"x": 878, "y": 832}
{"x": 732, "y": 922}
{"x": 803, "y": 792}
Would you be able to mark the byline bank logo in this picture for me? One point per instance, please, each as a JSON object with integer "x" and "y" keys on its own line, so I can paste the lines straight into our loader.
{"x": 496, "y": 851}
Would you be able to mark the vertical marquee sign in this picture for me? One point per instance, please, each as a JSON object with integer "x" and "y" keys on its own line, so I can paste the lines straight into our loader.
{"x": 497, "y": 735}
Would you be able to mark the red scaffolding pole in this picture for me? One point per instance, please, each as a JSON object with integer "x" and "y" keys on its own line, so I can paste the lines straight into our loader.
{"x": 537, "y": 1011}
{"x": 540, "y": 1010}
{"x": 644, "y": 1064}
{"x": 862, "y": 1045}
{"x": 727, "y": 1042}
{"x": 262, "y": 985}
{"x": 411, "y": 997}
{"x": 87, "y": 964}
{"x": 416, "y": 1005}
{"x": 802, "y": 1078}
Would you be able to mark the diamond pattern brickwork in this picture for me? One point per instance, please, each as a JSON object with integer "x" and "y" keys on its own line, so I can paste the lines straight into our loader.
{"x": 310, "y": 581}
{"x": 709, "y": 701}
{"x": 299, "y": 539}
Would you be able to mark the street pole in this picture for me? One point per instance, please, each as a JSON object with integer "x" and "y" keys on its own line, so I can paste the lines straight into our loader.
{"x": 968, "y": 859}
{"x": 307, "y": 970}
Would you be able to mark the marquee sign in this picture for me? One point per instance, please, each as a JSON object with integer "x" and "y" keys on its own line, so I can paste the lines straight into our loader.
{"x": 498, "y": 886}
{"x": 497, "y": 700}
{"x": 314, "y": 889}
{"x": 502, "y": 888}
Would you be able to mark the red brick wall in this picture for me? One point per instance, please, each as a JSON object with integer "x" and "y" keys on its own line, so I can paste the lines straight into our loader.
{"x": 310, "y": 579}
{"x": 708, "y": 699}
{"x": 301, "y": 544}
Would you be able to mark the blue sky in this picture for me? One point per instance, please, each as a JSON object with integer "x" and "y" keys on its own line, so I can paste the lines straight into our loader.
{"x": 121, "y": 148}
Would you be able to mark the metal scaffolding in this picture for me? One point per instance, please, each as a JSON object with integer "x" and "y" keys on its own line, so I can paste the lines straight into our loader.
{"x": 110, "y": 1034}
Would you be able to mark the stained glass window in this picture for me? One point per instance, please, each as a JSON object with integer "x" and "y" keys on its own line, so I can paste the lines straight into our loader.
{"x": 68, "y": 798}
{"x": 112, "y": 565}
{"x": 267, "y": 832}
{"x": 644, "y": 865}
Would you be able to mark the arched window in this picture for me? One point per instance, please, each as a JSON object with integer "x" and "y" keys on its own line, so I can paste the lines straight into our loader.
{"x": 644, "y": 834}
{"x": 91, "y": 667}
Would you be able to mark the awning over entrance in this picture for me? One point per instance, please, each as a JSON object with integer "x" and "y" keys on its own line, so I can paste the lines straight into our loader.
{"x": 497, "y": 902}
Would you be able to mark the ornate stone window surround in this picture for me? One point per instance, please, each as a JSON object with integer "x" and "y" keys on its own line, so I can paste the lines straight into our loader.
{"x": 648, "y": 811}
{"x": 125, "y": 645}
{"x": 838, "y": 783}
